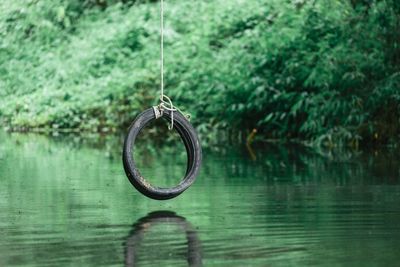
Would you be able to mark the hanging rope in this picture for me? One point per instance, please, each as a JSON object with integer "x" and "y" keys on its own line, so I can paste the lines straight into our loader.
{"x": 165, "y": 101}
{"x": 162, "y": 49}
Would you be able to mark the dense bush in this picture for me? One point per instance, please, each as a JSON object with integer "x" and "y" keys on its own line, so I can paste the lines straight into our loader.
{"x": 325, "y": 71}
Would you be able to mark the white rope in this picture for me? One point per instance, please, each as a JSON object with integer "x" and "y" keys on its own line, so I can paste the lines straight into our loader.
{"x": 165, "y": 101}
{"x": 162, "y": 48}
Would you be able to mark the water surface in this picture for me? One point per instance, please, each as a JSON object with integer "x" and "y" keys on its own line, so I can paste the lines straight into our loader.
{"x": 65, "y": 201}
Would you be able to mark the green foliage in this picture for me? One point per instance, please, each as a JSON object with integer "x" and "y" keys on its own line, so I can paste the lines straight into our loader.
{"x": 325, "y": 71}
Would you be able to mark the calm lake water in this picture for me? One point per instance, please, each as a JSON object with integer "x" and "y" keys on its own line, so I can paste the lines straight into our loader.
{"x": 65, "y": 201}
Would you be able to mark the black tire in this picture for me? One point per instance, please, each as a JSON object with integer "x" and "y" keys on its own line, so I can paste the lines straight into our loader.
{"x": 193, "y": 150}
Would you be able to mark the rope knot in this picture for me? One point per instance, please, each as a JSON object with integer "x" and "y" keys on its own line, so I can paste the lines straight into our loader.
{"x": 166, "y": 104}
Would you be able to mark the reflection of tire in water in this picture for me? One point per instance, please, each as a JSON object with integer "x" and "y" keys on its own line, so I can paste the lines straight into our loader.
{"x": 162, "y": 217}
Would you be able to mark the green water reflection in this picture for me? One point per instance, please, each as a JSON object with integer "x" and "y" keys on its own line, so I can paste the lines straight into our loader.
{"x": 65, "y": 201}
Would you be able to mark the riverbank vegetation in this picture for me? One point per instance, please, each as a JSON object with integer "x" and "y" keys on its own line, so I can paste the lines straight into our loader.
{"x": 327, "y": 72}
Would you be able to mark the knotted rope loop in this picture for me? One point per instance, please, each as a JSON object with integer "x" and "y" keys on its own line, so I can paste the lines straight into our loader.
{"x": 166, "y": 104}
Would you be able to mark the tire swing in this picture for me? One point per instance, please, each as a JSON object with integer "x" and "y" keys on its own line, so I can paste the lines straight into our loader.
{"x": 181, "y": 123}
